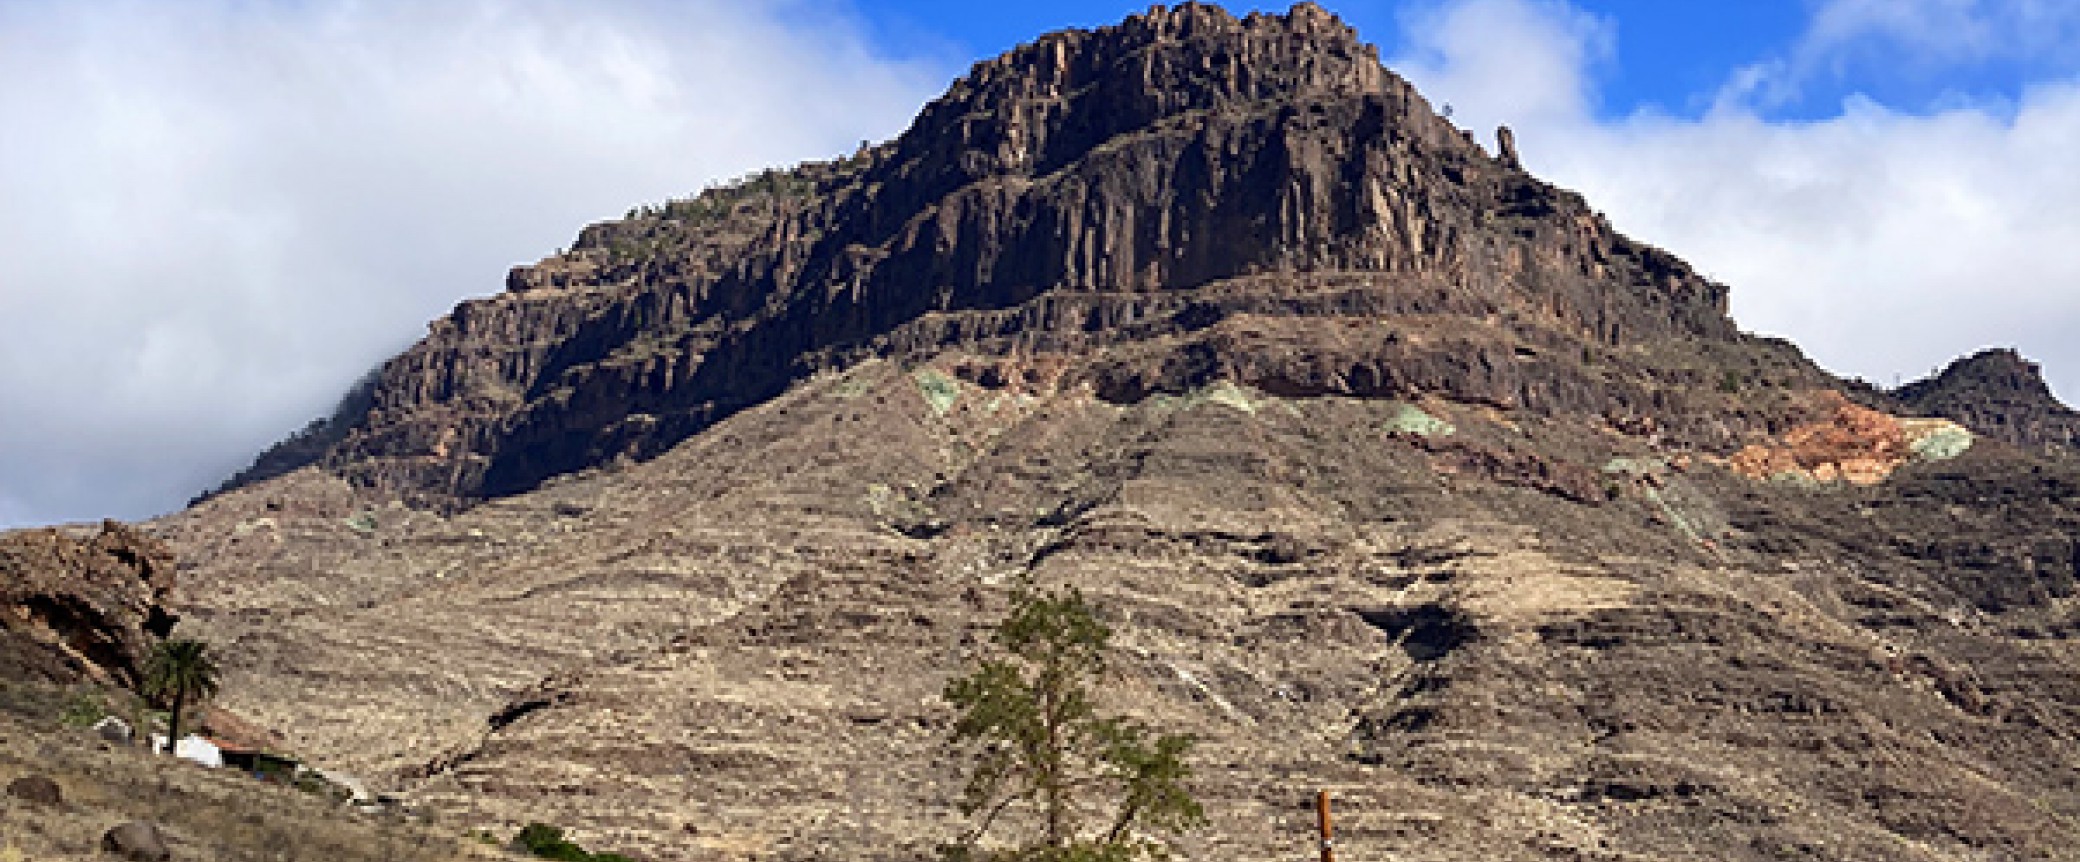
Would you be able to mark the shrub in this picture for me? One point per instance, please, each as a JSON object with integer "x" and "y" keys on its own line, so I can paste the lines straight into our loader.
{"x": 84, "y": 709}
{"x": 547, "y": 842}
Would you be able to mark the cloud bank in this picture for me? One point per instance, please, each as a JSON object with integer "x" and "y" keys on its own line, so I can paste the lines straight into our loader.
{"x": 215, "y": 215}
{"x": 1884, "y": 242}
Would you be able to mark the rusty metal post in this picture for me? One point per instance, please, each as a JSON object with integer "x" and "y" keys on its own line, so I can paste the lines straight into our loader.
{"x": 1321, "y": 810}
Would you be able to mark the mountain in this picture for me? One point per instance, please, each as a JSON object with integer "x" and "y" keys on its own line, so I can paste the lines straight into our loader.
{"x": 1142, "y": 196}
{"x": 1999, "y": 394}
{"x": 1399, "y": 472}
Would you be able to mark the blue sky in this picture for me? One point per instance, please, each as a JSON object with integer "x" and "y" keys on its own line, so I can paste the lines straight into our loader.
{"x": 216, "y": 214}
{"x": 1670, "y": 56}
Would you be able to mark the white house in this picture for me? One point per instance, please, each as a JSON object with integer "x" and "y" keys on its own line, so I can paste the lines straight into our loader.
{"x": 191, "y": 747}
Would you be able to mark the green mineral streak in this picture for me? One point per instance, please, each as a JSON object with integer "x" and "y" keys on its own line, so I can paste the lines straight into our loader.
{"x": 1410, "y": 419}
{"x": 1942, "y": 444}
{"x": 1229, "y": 395}
{"x": 850, "y": 388}
{"x": 1674, "y": 517}
{"x": 1648, "y": 466}
{"x": 1222, "y": 392}
{"x": 940, "y": 390}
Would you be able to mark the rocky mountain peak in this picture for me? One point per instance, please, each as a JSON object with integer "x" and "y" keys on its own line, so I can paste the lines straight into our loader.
{"x": 1049, "y": 102}
{"x": 1998, "y": 393}
{"x": 1141, "y": 205}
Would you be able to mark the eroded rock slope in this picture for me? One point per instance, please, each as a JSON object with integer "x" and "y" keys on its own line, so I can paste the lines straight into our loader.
{"x": 82, "y": 606}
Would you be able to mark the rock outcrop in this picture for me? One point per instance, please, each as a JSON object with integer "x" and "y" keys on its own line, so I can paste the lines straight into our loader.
{"x": 1506, "y": 148}
{"x": 1850, "y": 443}
{"x": 82, "y": 607}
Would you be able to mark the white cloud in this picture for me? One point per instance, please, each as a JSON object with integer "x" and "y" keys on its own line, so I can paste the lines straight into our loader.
{"x": 1524, "y": 60}
{"x": 1911, "y": 38}
{"x": 1940, "y": 31}
{"x": 1885, "y": 243}
{"x": 214, "y": 215}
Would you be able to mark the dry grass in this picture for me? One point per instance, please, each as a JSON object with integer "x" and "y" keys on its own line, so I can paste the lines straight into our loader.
{"x": 206, "y": 814}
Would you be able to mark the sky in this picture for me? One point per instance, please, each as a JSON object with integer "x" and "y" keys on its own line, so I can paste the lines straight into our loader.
{"x": 216, "y": 214}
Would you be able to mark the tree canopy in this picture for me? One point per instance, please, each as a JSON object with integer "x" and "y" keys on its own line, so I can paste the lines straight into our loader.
{"x": 177, "y": 673}
{"x": 1092, "y": 787}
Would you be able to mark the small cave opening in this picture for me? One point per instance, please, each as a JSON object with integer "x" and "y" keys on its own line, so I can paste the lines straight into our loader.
{"x": 1425, "y": 632}
{"x": 160, "y": 622}
{"x": 521, "y": 708}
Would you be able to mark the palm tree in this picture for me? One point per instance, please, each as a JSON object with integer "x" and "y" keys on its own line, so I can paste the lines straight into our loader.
{"x": 179, "y": 671}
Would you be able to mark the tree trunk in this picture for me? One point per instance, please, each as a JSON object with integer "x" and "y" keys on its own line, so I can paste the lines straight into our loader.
{"x": 1052, "y": 770}
{"x": 173, "y": 722}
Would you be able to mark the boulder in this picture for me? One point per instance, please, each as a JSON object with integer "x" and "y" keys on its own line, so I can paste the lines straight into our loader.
{"x": 37, "y": 789}
{"x": 136, "y": 840}
{"x": 115, "y": 730}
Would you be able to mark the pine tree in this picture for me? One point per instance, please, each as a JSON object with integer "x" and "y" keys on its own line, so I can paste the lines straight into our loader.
{"x": 1028, "y": 719}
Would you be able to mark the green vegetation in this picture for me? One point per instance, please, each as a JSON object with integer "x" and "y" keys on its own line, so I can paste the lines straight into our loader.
{"x": 547, "y": 842}
{"x": 1041, "y": 749}
{"x": 719, "y": 199}
{"x": 310, "y": 782}
{"x": 84, "y": 709}
{"x": 179, "y": 672}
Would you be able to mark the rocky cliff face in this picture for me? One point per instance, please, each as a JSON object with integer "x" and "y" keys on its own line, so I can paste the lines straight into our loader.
{"x": 1397, "y": 471}
{"x": 1187, "y": 181}
{"x": 1999, "y": 394}
{"x": 78, "y": 608}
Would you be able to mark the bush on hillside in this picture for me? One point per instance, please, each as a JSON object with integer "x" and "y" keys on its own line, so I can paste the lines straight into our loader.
{"x": 547, "y": 842}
